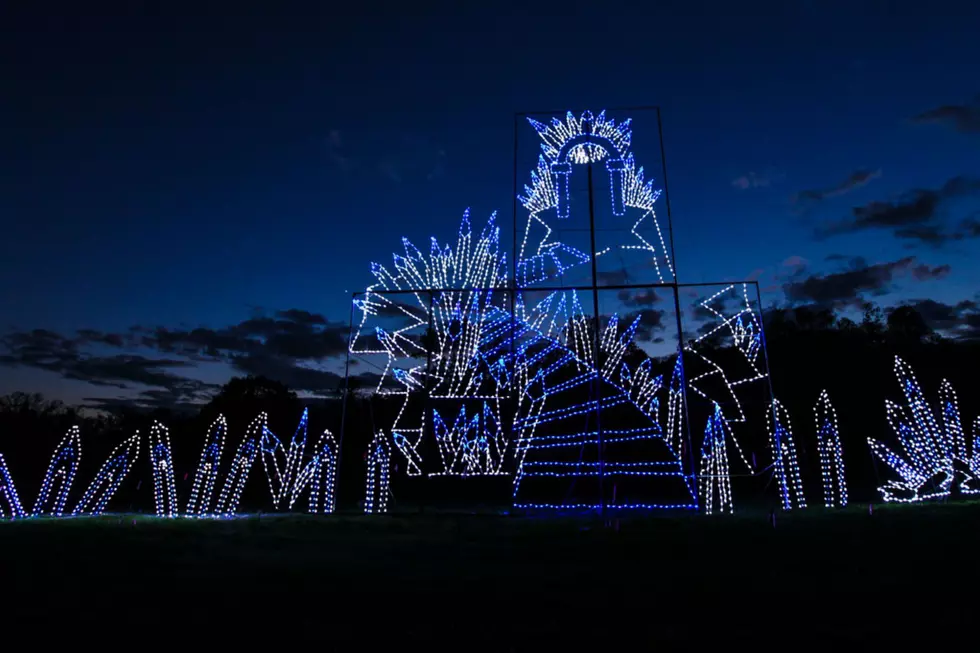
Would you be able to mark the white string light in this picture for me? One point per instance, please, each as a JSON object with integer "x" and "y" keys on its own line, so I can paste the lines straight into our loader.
{"x": 10, "y": 505}
{"x": 110, "y": 476}
{"x": 60, "y": 475}
{"x": 161, "y": 461}
{"x": 831, "y": 455}
{"x": 208, "y": 468}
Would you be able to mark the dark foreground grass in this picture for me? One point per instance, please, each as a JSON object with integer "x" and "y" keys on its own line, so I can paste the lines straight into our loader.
{"x": 498, "y": 582}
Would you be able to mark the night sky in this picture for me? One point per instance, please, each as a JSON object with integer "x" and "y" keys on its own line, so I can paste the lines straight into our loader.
{"x": 167, "y": 170}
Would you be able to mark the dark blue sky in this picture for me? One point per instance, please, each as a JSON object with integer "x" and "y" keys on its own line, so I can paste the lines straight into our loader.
{"x": 182, "y": 169}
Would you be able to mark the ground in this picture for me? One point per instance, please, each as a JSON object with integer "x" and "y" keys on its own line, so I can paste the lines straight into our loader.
{"x": 498, "y": 582}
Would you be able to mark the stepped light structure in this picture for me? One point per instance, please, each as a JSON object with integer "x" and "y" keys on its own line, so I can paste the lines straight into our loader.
{"x": 504, "y": 369}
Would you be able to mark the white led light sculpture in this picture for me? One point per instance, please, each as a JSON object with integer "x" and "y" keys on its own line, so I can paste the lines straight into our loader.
{"x": 377, "y": 488}
{"x": 206, "y": 477}
{"x": 785, "y": 461}
{"x": 110, "y": 477}
{"x": 241, "y": 465}
{"x": 161, "y": 461}
{"x": 831, "y": 455}
{"x": 319, "y": 477}
{"x": 60, "y": 475}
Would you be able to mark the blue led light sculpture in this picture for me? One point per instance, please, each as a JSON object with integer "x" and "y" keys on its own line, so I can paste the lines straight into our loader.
{"x": 10, "y": 505}
{"x": 113, "y": 472}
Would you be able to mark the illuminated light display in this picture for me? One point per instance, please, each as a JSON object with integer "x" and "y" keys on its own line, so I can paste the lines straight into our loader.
{"x": 576, "y": 141}
{"x": 831, "y": 455}
{"x": 715, "y": 479}
{"x": 208, "y": 468}
{"x": 161, "y": 461}
{"x": 319, "y": 477}
{"x": 60, "y": 475}
{"x": 785, "y": 461}
{"x": 110, "y": 477}
{"x": 241, "y": 465}
{"x": 927, "y": 447}
{"x": 376, "y": 488}
{"x": 10, "y": 505}
{"x": 502, "y": 377}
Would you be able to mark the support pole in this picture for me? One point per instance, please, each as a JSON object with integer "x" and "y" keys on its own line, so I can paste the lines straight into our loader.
{"x": 692, "y": 463}
{"x": 345, "y": 397}
{"x": 598, "y": 373}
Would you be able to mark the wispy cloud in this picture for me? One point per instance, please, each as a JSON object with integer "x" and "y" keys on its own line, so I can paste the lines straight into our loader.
{"x": 847, "y": 287}
{"x": 756, "y": 180}
{"x": 914, "y": 216}
{"x": 855, "y": 180}
{"x": 963, "y": 118}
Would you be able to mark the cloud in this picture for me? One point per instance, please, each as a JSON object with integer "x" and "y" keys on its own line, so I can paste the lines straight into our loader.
{"x": 941, "y": 316}
{"x": 963, "y": 118}
{"x": 288, "y": 346}
{"x": 756, "y": 180}
{"x": 65, "y": 356}
{"x": 637, "y": 298}
{"x": 848, "y": 286}
{"x": 651, "y": 323}
{"x": 913, "y": 216}
{"x": 855, "y": 180}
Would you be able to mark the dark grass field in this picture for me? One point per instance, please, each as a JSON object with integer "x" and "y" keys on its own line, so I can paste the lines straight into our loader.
{"x": 497, "y": 582}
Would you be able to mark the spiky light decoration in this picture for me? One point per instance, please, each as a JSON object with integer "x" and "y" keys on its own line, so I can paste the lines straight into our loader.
{"x": 924, "y": 460}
